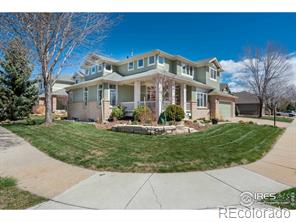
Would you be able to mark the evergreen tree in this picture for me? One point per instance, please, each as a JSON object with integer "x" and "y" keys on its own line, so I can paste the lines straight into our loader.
{"x": 18, "y": 92}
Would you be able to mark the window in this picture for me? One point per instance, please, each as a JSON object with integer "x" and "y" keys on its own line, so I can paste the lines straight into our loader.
{"x": 160, "y": 60}
{"x": 140, "y": 63}
{"x": 99, "y": 67}
{"x": 113, "y": 95}
{"x": 85, "y": 96}
{"x": 187, "y": 69}
{"x": 202, "y": 99}
{"x": 151, "y": 60}
{"x": 76, "y": 81}
{"x": 93, "y": 69}
{"x": 108, "y": 67}
{"x": 213, "y": 73}
{"x": 131, "y": 66}
{"x": 99, "y": 93}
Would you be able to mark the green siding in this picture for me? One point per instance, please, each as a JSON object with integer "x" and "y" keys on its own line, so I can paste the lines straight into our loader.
{"x": 78, "y": 95}
{"x": 125, "y": 93}
{"x": 123, "y": 69}
{"x": 200, "y": 74}
{"x": 92, "y": 93}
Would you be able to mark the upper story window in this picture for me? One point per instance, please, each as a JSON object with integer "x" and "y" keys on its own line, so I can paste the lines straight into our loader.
{"x": 85, "y": 95}
{"x": 99, "y": 67}
{"x": 131, "y": 66}
{"x": 93, "y": 69}
{"x": 112, "y": 95}
{"x": 160, "y": 60}
{"x": 202, "y": 99}
{"x": 151, "y": 60}
{"x": 140, "y": 63}
{"x": 108, "y": 67}
{"x": 213, "y": 74}
{"x": 99, "y": 93}
{"x": 76, "y": 81}
{"x": 187, "y": 70}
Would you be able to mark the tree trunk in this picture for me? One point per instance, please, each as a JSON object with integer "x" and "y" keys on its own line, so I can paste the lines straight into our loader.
{"x": 274, "y": 116}
{"x": 48, "y": 105}
{"x": 260, "y": 108}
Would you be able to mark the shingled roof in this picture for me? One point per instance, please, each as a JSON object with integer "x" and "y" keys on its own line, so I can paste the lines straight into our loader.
{"x": 246, "y": 98}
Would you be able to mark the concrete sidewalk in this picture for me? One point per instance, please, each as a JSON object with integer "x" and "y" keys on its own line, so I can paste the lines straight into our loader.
{"x": 280, "y": 163}
{"x": 34, "y": 170}
{"x": 71, "y": 187}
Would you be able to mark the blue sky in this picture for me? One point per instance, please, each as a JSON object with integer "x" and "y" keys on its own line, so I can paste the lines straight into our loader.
{"x": 200, "y": 35}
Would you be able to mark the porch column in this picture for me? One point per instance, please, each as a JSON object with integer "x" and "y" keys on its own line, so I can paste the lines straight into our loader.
{"x": 183, "y": 96}
{"x": 158, "y": 98}
{"x": 193, "y": 103}
{"x": 137, "y": 93}
{"x": 172, "y": 93}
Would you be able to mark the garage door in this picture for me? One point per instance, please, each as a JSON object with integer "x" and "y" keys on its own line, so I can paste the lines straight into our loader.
{"x": 225, "y": 110}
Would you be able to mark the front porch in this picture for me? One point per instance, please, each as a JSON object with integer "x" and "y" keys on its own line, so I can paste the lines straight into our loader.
{"x": 157, "y": 94}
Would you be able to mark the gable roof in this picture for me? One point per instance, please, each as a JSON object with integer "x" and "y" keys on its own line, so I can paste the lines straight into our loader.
{"x": 93, "y": 56}
{"x": 245, "y": 97}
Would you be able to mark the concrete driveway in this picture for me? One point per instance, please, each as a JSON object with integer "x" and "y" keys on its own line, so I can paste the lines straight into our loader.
{"x": 71, "y": 187}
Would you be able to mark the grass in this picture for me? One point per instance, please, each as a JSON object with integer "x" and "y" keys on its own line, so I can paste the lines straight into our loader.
{"x": 11, "y": 197}
{"x": 278, "y": 118}
{"x": 285, "y": 199}
{"x": 83, "y": 145}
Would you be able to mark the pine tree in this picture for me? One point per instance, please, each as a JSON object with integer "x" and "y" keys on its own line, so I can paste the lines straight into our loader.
{"x": 18, "y": 92}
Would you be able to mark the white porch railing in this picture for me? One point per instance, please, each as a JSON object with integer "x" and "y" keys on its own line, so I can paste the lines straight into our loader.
{"x": 188, "y": 108}
{"x": 129, "y": 106}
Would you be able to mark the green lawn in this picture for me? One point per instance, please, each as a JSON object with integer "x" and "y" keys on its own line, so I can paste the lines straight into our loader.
{"x": 11, "y": 197}
{"x": 285, "y": 199}
{"x": 82, "y": 144}
{"x": 278, "y": 118}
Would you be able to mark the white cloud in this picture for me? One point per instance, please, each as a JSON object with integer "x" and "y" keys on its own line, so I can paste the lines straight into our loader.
{"x": 235, "y": 73}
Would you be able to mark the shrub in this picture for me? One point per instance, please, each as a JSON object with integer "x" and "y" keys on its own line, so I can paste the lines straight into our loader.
{"x": 117, "y": 112}
{"x": 143, "y": 114}
{"x": 7, "y": 182}
{"x": 214, "y": 121}
{"x": 174, "y": 113}
{"x": 30, "y": 121}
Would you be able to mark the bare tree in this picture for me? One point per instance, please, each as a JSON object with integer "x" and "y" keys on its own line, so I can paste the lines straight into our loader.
{"x": 276, "y": 92}
{"x": 263, "y": 68}
{"x": 53, "y": 38}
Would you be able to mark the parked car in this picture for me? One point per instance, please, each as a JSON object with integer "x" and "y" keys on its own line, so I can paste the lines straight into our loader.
{"x": 288, "y": 113}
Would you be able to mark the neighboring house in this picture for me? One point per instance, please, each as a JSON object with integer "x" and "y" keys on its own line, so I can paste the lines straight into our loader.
{"x": 59, "y": 94}
{"x": 247, "y": 103}
{"x": 103, "y": 83}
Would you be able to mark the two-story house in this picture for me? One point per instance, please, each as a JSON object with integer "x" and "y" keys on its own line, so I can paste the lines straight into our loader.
{"x": 59, "y": 94}
{"x": 155, "y": 78}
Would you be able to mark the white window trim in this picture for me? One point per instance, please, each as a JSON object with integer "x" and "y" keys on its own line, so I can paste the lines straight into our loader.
{"x": 206, "y": 102}
{"x": 109, "y": 92}
{"x": 130, "y": 69}
{"x": 150, "y": 64}
{"x": 140, "y": 67}
{"x": 106, "y": 70}
{"x": 91, "y": 69}
{"x": 101, "y": 67}
{"x": 99, "y": 89}
{"x": 185, "y": 74}
{"x": 211, "y": 68}
{"x": 85, "y": 101}
{"x": 161, "y": 64}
